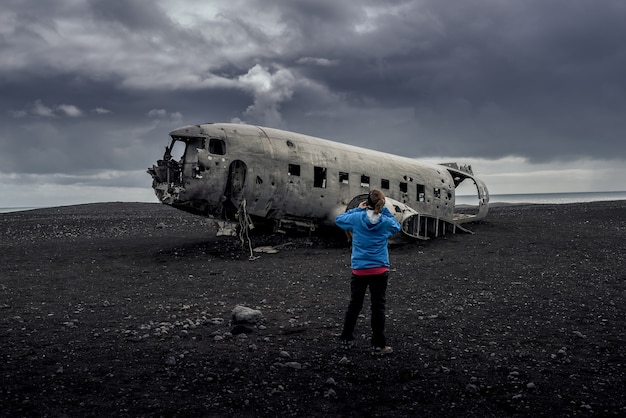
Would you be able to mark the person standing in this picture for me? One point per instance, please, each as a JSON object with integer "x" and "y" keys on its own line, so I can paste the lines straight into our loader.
{"x": 371, "y": 225}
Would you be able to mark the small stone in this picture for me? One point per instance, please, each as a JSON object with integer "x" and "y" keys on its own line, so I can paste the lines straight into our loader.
{"x": 330, "y": 381}
{"x": 344, "y": 360}
{"x": 330, "y": 393}
{"x": 245, "y": 315}
{"x": 531, "y": 386}
{"x": 293, "y": 365}
{"x": 471, "y": 388}
{"x": 284, "y": 354}
{"x": 170, "y": 361}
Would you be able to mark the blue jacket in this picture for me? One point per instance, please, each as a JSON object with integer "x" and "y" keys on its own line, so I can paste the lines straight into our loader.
{"x": 369, "y": 241}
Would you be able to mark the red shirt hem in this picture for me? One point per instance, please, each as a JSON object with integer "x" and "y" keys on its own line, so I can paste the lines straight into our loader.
{"x": 371, "y": 271}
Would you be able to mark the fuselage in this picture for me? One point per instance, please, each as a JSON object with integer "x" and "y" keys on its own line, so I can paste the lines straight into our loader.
{"x": 281, "y": 176}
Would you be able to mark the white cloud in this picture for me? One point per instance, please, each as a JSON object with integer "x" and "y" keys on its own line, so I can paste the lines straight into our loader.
{"x": 34, "y": 190}
{"x": 176, "y": 117}
{"x": 269, "y": 90}
{"x": 516, "y": 175}
{"x": 40, "y": 109}
{"x": 70, "y": 110}
{"x": 322, "y": 62}
{"x": 101, "y": 111}
{"x": 164, "y": 114}
{"x": 50, "y": 195}
{"x": 157, "y": 113}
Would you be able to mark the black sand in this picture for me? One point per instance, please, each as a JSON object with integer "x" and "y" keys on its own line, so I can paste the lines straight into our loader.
{"x": 123, "y": 310}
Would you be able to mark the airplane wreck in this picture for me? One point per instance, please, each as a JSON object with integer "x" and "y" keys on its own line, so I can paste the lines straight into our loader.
{"x": 250, "y": 175}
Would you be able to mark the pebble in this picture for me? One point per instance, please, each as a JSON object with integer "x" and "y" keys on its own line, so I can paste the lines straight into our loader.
{"x": 293, "y": 365}
{"x": 471, "y": 388}
{"x": 244, "y": 315}
{"x": 330, "y": 393}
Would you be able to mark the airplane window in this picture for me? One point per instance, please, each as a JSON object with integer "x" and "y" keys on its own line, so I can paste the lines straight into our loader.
{"x": 437, "y": 192}
{"x": 217, "y": 146}
{"x": 319, "y": 177}
{"x": 384, "y": 184}
{"x": 365, "y": 181}
{"x": 421, "y": 193}
{"x": 343, "y": 177}
{"x": 294, "y": 170}
{"x": 177, "y": 150}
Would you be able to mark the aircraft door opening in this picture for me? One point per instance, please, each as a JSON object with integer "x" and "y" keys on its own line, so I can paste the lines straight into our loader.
{"x": 467, "y": 197}
{"x": 234, "y": 189}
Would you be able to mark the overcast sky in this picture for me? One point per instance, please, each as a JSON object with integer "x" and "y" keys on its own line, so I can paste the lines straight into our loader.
{"x": 532, "y": 93}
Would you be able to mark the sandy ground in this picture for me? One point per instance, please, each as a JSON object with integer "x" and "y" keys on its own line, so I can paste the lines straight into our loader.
{"x": 124, "y": 309}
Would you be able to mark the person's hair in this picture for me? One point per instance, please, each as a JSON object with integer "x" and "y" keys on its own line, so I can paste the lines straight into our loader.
{"x": 376, "y": 200}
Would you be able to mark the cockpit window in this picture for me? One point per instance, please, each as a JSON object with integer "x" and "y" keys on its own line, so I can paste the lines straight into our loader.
{"x": 217, "y": 146}
{"x": 177, "y": 150}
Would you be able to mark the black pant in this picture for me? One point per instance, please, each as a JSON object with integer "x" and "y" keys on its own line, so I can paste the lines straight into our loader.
{"x": 358, "y": 286}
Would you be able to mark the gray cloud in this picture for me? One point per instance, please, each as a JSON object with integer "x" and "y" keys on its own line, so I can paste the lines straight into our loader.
{"x": 98, "y": 84}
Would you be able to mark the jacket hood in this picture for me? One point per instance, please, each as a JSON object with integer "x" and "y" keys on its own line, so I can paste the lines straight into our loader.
{"x": 368, "y": 219}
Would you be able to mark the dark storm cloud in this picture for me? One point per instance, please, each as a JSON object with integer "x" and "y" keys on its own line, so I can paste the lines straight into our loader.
{"x": 132, "y": 15}
{"x": 97, "y": 85}
{"x": 540, "y": 79}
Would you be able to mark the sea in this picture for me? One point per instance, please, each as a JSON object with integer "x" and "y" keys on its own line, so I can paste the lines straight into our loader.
{"x": 545, "y": 198}
{"x": 537, "y": 198}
